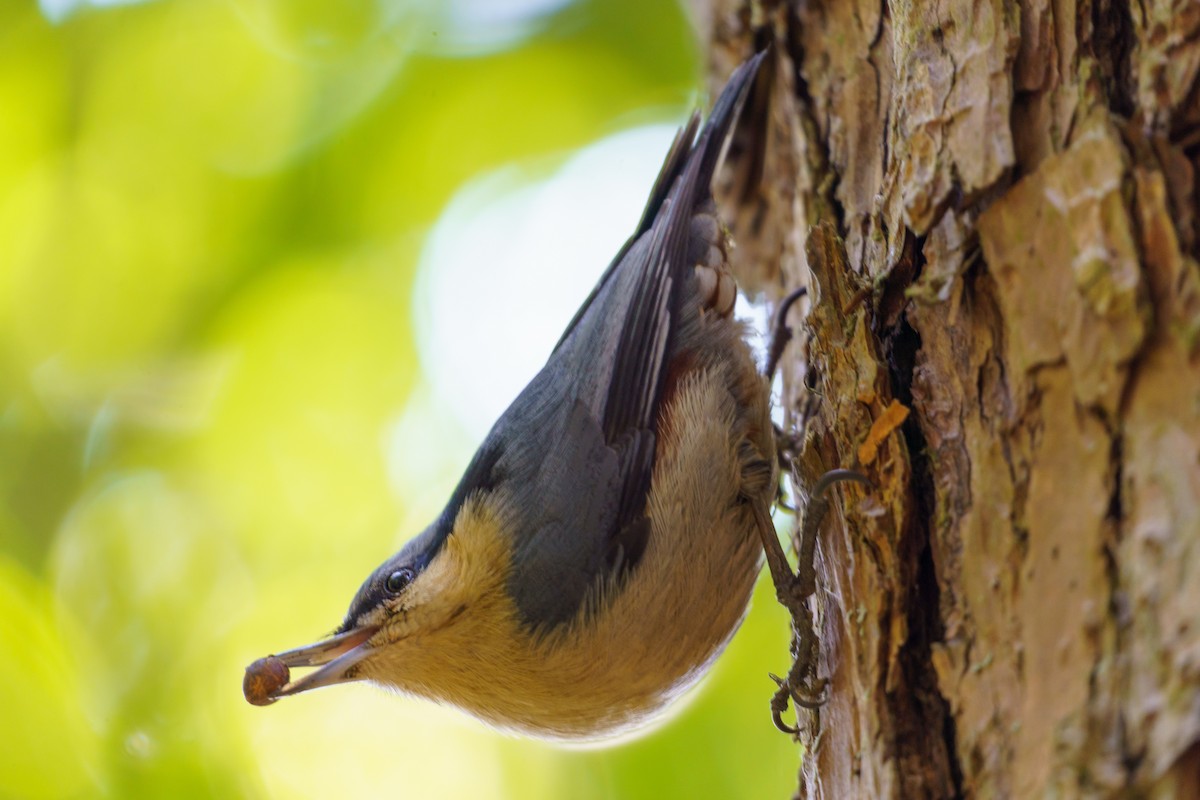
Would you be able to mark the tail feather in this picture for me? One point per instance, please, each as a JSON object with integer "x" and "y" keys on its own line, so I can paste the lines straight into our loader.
{"x": 682, "y": 168}
{"x": 714, "y": 139}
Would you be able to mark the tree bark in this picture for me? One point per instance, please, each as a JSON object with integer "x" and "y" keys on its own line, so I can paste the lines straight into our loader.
{"x": 994, "y": 208}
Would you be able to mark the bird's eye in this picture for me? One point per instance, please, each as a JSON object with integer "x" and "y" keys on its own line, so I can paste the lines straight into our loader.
{"x": 398, "y": 580}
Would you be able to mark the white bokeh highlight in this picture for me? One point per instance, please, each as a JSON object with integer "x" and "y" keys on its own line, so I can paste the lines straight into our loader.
{"x": 510, "y": 261}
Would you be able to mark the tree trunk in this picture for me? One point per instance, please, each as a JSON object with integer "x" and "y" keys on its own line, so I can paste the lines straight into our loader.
{"x": 994, "y": 208}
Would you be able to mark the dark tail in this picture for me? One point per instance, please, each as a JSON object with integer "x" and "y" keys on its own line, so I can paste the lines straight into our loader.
{"x": 687, "y": 174}
{"x": 710, "y": 146}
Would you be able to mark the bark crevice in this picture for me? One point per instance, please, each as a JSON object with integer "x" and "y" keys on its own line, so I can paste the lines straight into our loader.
{"x": 919, "y": 700}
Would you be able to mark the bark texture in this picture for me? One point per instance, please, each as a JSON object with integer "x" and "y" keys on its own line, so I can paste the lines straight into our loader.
{"x": 994, "y": 207}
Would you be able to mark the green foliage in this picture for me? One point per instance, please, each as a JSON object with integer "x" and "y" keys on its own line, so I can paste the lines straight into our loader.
{"x": 210, "y": 216}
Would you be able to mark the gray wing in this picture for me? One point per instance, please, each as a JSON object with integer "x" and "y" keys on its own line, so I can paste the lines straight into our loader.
{"x": 576, "y": 449}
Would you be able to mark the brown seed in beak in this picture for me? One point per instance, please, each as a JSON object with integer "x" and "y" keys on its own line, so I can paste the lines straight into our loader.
{"x": 263, "y": 679}
{"x": 337, "y": 659}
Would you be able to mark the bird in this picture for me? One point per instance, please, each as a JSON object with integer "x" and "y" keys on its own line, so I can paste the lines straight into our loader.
{"x": 601, "y": 548}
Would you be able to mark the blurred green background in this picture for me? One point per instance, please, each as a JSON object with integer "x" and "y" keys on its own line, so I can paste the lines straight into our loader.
{"x": 268, "y": 269}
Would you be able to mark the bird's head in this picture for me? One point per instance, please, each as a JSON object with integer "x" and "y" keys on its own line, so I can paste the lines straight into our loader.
{"x": 409, "y": 607}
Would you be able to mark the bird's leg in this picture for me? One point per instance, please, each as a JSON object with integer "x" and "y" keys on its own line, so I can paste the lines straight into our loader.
{"x": 793, "y": 589}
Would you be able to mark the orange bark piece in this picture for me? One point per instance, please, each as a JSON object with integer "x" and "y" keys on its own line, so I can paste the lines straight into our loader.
{"x": 892, "y": 417}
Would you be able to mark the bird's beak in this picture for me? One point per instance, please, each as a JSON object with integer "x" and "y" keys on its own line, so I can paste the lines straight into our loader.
{"x": 336, "y": 656}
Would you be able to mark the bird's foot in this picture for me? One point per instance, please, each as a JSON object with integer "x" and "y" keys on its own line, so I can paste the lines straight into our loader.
{"x": 812, "y": 696}
{"x": 792, "y": 590}
{"x": 801, "y": 686}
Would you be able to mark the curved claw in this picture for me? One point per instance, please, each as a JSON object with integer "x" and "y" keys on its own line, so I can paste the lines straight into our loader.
{"x": 779, "y": 704}
{"x": 781, "y": 334}
{"x": 837, "y": 476}
{"x": 818, "y": 505}
{"x": 777, "y": 718}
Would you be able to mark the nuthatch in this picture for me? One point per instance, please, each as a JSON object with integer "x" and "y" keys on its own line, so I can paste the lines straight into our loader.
{"x": 601, "y": 548}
